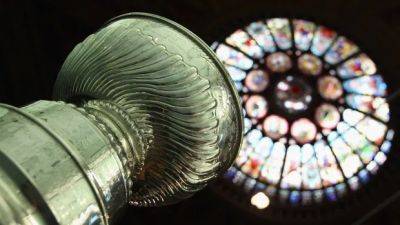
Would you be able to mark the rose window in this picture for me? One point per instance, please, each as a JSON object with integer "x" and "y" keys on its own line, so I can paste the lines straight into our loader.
{"x": 315, "y": 112}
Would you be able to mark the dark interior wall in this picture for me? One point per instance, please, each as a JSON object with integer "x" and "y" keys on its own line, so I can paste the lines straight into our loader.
{"x": 36, "y": 37}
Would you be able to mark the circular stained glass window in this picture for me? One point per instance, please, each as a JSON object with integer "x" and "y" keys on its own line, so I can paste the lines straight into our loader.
{"x": 316, "y": 117}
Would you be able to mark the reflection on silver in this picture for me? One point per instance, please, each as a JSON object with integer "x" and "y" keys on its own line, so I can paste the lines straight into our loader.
{"x": 151, "y": 123}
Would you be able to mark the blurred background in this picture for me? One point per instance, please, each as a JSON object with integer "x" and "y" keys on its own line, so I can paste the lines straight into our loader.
{"x": 36, "y": 37}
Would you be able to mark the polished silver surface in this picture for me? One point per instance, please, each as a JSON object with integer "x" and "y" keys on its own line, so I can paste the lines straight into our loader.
{"x": 65, "y": 158}
{"x": 146, "y": 114}
{"x": 172, "y": 87}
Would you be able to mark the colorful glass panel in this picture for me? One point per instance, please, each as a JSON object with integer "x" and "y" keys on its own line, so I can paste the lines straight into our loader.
{"x": 280, "y": 29}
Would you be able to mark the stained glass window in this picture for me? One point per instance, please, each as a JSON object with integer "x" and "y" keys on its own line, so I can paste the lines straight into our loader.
{"x": 316, "y": 115}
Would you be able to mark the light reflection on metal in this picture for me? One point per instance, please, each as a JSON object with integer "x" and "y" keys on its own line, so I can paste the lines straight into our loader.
{"x": 137, "y": 119}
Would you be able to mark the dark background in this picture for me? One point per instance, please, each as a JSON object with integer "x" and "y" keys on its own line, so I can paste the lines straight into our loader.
{"x": 36, "y": 36}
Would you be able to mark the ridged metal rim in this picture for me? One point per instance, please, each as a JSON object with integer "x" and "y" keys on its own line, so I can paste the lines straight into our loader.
{"x": 205, "y": 48}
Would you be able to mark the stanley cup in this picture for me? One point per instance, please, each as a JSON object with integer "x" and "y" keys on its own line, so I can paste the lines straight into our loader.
{"x": 143, "y": 113}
